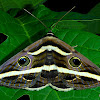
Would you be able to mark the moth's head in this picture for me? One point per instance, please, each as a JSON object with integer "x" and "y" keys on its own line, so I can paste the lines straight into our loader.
{"x": 50, "y": 34}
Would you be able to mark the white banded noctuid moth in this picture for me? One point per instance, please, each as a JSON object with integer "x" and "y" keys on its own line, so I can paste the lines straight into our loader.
{"x": 49, "y": 62}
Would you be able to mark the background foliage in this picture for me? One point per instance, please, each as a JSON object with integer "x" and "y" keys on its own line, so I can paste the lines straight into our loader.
{"x": 22, "y": 29}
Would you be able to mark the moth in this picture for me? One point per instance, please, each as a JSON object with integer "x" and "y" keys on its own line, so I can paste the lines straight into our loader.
{"x": 49, "y": 62}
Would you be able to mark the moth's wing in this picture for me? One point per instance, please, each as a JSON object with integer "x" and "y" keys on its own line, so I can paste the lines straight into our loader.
{"x": 20, "y": 80}
{"x": 89, "y": 73}
{"x": 86, "y": 75}
{"x": 94, "y": 73}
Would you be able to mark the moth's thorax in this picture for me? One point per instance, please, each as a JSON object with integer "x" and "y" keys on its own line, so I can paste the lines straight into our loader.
{"x": 49, "y": 59}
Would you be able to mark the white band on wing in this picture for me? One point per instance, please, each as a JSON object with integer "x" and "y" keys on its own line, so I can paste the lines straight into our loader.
{"x": 49, "y": 68}
{"x": 49, "y": 48}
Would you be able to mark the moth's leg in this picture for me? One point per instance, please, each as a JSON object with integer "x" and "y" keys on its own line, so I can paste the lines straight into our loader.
{"x": 74, "y": 46}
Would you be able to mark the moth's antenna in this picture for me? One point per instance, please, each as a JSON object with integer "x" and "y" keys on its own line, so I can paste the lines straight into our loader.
{"x": 62, "y": 17}
{"x": 37, "y": 19}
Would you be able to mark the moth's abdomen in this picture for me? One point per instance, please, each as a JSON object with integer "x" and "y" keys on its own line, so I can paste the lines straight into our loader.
{"x": 49, "y": 74}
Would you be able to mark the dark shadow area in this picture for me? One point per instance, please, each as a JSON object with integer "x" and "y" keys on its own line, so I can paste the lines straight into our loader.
{"x": 82, "y": 6}
{"x": 24, "y": 97}
{"x": 2, "y": 37}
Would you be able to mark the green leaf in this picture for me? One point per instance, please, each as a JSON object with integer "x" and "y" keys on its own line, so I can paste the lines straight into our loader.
{"x": 95, "y": 11}
{"x": 93, "y": 25}
{"x": 24, "y": 30}
{"x": 6, "y": 5}
{"x": 70, "y": 24}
